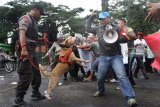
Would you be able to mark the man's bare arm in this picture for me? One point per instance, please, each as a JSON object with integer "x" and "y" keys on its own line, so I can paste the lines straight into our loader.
{"x": 22, "y": 39}
{"x": 84, "y": 47}
{"x": 24, "y": 52}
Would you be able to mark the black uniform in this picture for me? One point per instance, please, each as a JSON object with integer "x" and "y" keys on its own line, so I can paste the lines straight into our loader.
{"x": 28, "y": 70}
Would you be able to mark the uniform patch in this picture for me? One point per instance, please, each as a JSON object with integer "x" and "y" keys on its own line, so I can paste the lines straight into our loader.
{"x": 25, "y": 20}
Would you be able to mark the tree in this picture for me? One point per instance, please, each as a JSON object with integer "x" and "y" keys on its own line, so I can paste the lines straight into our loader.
{"x": 56, "y": 18}
{"x": 105, "y": 5}
{"x": 9, "y": 17}
{"x": 135, "y": 12}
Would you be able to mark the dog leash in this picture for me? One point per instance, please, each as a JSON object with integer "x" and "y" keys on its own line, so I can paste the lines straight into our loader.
{"x": 30, "y": 60}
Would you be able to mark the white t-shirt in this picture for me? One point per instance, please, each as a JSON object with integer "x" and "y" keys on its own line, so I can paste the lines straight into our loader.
{"x": 140, "y": 46}
{"x": 124, "y": 51}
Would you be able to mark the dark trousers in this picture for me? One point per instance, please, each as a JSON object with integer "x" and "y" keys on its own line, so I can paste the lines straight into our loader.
{"x": 28, "y": 75}
{"x": 148, "y": 65}
{"x": 140, "y": 65}
{"x": 74, "y": 70}
{"x": 129, "y": 74}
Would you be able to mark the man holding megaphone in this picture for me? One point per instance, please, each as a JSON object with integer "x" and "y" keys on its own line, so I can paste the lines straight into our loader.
{"x": 110, "y": 55}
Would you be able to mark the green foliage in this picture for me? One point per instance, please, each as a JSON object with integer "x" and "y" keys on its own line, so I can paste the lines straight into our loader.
{"x": 61, "y": 17}
{"x": 105, "y": 5}
{"x": 135, "y": 15}
{"x": 77, "y": 25}
{"x": 68, "y": 20}
{"x": 9, "y": 16}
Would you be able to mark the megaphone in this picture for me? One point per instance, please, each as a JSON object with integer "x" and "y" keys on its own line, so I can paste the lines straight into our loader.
{"x": 110, "y": 36}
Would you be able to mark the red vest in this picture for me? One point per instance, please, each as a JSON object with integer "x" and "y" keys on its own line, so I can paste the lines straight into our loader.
{"x": 64, "y": 59}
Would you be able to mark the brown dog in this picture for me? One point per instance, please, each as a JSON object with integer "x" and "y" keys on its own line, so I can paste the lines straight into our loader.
{"x": 67, "y": 57}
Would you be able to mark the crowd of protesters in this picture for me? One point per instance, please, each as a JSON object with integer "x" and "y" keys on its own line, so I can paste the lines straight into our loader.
{"x": 105, "y": 57}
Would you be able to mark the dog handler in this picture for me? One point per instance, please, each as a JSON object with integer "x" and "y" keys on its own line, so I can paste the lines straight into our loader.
{"x": 28, "y": 70}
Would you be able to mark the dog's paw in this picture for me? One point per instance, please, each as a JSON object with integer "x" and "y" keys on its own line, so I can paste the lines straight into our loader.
{"x": 48, "y": 95}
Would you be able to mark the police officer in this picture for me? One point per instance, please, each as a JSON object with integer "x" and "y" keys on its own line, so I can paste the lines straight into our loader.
{"x": 28, "y": 70}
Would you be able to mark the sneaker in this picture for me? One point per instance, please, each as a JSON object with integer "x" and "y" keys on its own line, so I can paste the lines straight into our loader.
{"x": 37, "y": 96}
{"x": 132, "y": 102}
{"x": 98, "y": 94}
{"x": 117, "y": 88}
{"x": 112, "y": 80}
{"x": 59, "y": 83}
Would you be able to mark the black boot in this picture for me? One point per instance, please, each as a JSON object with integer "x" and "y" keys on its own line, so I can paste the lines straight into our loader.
{"x": 37, "y": 95}
{"x": 19, "y": 102}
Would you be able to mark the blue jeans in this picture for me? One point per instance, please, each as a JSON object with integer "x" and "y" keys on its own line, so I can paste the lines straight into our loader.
{"x": 94, "y": 65}
{"x": 118, "y": 66}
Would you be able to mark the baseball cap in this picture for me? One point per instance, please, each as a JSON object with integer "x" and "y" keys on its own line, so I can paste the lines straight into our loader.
{"x": 103, "y": 15}
{"x": 40, "y": 8}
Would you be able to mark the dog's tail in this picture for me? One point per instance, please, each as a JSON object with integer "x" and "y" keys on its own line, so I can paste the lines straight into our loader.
{"x": 44, "y": 72}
